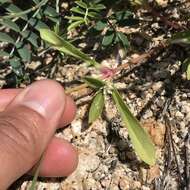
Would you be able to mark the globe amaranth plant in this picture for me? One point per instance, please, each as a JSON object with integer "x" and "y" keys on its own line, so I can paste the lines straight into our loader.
{"x": 103, "y": 86}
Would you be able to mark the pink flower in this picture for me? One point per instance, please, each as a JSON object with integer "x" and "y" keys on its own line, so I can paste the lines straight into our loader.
{"x": 107, "y": 72}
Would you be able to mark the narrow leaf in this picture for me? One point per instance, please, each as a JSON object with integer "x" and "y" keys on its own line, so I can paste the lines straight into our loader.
{"x": 6, "y": 38}
{"x": 78, "y": 10}
{"x": 108, "y": 38}
{"x": 138, "y": 2}
{"x": 75, "y": 24}
{"x": 93, "y": 14}
{"x": 23, "y": 51}
{"x": 51, "y": 37}
{"x": 12, "y": 25}
{"x": 100, "y": 25}
{"x": 31, "y": 37}
{"x": 36, "y": 1}
{"x": 181, "y": 37}
{"x": 96, "y": 107}
{"x": 50, "y": 11}
{"x": 5, "y": 1}
{"x": 123, "y": 39}
{"x": 36, "y": 175}
{"x": 93, "y": 82}
{"x": 122, "y": 15}
{"x": 188, "y": 71}
{"x": 37, "y": 24}
{"x": 81, "y": 4}
{"x": 140, "y": 139}
{"x": 4, "y": 53}
{"x": 186, "y": 67}
{"x": 65, "y": 46}
{"x": 97, "y": 7}
{"x": 54, "y": 19}
{"x": 14, "y": 9}
{"x": 74, "y": 18}
{"x": 16, "y": 66}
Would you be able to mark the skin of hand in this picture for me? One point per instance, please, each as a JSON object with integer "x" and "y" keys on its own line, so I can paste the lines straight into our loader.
{"x": 28, "y": 121}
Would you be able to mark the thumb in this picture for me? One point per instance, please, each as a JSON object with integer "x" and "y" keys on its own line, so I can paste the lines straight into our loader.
{"x": 26, "y": 127}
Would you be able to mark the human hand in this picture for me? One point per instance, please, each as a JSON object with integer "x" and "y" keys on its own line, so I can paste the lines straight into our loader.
{"x": 28, "y": 120}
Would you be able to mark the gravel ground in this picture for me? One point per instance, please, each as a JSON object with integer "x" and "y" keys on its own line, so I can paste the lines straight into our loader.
{"x": 158, "y": 93}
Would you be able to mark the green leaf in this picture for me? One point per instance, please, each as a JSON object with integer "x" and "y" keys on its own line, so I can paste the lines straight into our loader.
{"x": 36, "y": 175}
{"x": 75, "y": 24}
{"x": 14, "y": 9}
{"x": 100, "y": 25}
{"x": 23, "y": 51}
{"x": 51, "y": 37}
{"x": 65, "y": 46}
{"x": 96, "y": 107}
{"x": 122, "y": 15}
{"x": 93, "y": 82}
{"x": 54, "y": 19}
{"x": 138, "y": 2}
{"x": 140, "y": 139}
{"x": 81, "y": 4}
{"x": 181, "y": 37}
{"x": 74, "y": 18}
{"x": 12, "y": 25}
{"x": 37, "y": 24}
{"x": 188, "y": 71}
{"x": 31, "y": 37}
{"x": 123, "y": 39}
{"x": 6, "y": 38}
{"x": 5, "y": 1}
{"x": 4, "y": 53}
{"x": 97, "y": 7}
{"x": 78, "y": 10}
{"x": 186, "y": 67}
{"x": 96, "y": 1}
{"x": 108, "y": 38}
{"x": 50, "y": 11}
{"x": 93, "y": 14}
{"x": 16, "y": 66}
{"x": 36, "y": 1}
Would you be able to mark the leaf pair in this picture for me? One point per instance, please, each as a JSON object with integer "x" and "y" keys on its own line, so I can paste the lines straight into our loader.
{"x": 140, "y": 139}
{"x": 111, "y": 37}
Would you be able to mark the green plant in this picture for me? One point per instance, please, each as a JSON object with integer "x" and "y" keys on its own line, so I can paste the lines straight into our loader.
{"x": 111, "y": 25}
{"x": 103, "y": 85}
{"x": 84, "y": 12}
{"x": 84, "y": 17}
{"x": 184, "y": 39}
{"x": 105, "y": 27}
{"x": 22, "y": 41}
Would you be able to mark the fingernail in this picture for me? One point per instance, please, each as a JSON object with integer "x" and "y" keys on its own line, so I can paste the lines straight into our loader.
{"x": 45, "y": 97}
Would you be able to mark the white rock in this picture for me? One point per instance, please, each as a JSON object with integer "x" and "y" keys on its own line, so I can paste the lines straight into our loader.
{"x": 76, "y": 127}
